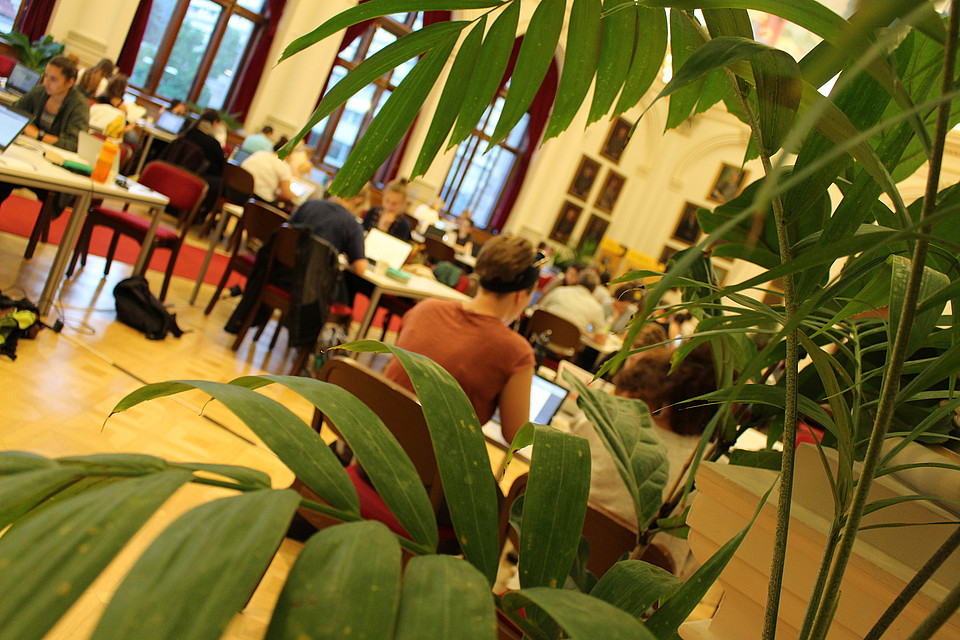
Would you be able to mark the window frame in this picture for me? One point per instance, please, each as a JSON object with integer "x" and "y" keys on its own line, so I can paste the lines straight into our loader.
{"x": 228, "y": 9}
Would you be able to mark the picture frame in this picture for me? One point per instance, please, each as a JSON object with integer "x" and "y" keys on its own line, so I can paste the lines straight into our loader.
{"x": 616, "y": 141}
{"x": 720, "y": 272}
{"x": 666, "y": 254}
{"x": 566, "y": 221}
{"x": 583, "y": 179}
{"x": 687, "y": 228}
{"x": 728, "y": 183}
{"x": 610, "y": 192}
{"x": 592, "y": 234}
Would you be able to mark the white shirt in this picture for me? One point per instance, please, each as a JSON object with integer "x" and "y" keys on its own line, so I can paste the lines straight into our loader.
{"x": 426, "y": 215}
{"x": 268, "y": 173}
{"x": 576, "y": 304}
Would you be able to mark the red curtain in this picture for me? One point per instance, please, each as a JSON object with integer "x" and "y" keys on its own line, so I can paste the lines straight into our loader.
{"x": 539, "y": 115}
{"x": 131, "y": 46}
{"x": 36, "y": 17}
{"x": 256, "y": 61}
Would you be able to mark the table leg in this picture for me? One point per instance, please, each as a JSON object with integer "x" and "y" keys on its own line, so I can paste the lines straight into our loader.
{"x": 368, "y": 316}
{"x": 214, "y": 239}
{"x": 140, "y": 267}
{"x": 144, "y": 152}
{"x": 69, "y": 240}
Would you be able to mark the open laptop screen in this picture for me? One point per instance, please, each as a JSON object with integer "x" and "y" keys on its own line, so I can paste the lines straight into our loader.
{"x": 545, "y": 400}
{"x": 22, "y": 78}
{"x": 380, "y": 246}
{"x": 169, "y": 121}
{"x": 11, "y": 124}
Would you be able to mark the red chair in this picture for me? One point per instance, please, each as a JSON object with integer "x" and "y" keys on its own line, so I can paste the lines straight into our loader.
{"x": 185, "y": 190}
{"x": 6, "y": 65}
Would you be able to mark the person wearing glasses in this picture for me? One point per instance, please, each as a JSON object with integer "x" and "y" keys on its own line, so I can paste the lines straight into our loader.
{"x": 472, "y": 340}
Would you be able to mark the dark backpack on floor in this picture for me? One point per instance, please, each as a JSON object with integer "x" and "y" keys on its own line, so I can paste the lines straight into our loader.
{"x": 140, "y": 309}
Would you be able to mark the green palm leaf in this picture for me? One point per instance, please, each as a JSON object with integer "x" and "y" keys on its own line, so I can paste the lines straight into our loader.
{"x": 583, "y": 38}
{"x": 619, "y": 32}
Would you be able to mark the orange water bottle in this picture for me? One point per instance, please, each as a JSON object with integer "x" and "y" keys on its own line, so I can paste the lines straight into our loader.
{"x": 107, "y": 153}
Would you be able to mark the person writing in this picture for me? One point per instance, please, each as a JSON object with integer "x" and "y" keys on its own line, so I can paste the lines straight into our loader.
{"x": 472, "y": 341}
{"x": 389, "y": 217}
{"x": 59, "y": 111}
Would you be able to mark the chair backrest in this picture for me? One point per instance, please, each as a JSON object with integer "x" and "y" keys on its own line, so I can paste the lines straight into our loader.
{"x": 437, "y": 250}
{"x": 259, "y": 221}
{"x": 563, "y": 333}
{"x": 184, "y": 153}
{"x": 186, "y": 190}
{"x": 6, "y": 65}
{"x": 397, "y": 407}
{"x": 237, "y": 183}
{"x": 285, "y": 241}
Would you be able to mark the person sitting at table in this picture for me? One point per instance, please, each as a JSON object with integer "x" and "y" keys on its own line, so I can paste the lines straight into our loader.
{"x": 677, "y": 422}
{"x": 389, "y": 217}
{"x": 577, "y": 304}
{"x": 472, "y": 340}
{"x": 334, "y": 221}
{"x": 570, "y": 277}
{"x": 464, "y": 238}
{"x": 94, "y": 80}
{"x": 271, "y": 177}
{"x": 262, "y": 141}
{"x": 202, "y": 135}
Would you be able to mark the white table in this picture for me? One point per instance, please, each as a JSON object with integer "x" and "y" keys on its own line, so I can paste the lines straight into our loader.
{"x": 26, "y": 166}
{"x": 417, "y": 288}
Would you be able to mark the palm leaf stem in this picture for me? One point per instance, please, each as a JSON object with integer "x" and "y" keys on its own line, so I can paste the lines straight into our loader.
{"x": 898, "y": 353}
{"x": 343, "y": 516}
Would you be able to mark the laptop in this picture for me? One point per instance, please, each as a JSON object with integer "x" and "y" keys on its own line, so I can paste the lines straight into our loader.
{"x": 380, "y": 246}
{"x": 171, "y": 122}
{"x": 22, "y": 79}
{"x": 434, "y": 231}
{"x": 302, "y": 189}
{"x": 12, "y": 122}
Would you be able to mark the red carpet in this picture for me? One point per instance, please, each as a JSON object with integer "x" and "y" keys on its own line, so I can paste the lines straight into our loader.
{"x": 18, "y": 215}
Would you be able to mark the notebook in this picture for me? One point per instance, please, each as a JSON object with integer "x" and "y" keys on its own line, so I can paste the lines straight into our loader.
{"x": 380, "y": 246}
{"x": 12, "y": 123}
{"x": 22, "y": 79}
{"x": 170, "y": 122}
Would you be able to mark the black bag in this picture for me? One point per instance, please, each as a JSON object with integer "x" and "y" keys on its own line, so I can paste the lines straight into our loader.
{"x": 140, "y": 309}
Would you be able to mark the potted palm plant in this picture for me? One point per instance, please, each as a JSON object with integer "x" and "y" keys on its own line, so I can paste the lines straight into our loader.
{"x": 865, "y": 281}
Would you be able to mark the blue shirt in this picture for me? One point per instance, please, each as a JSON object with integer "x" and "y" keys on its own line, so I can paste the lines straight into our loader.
{"x": 334, "y": 224}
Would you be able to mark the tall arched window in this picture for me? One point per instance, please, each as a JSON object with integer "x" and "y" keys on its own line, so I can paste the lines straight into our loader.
{"x": 196, "y": 49}
{"x": 488, "y": 182}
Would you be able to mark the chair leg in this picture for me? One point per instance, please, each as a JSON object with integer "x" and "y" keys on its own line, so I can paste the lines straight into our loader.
{"x": 83, "y": 245}
{"x": 386, "y": 325}
{"x": 247, "y": 323}
{"x": 303, "y": 353}
{"x": 171, "y": 263}
{"x": 276, "y": 332}
{"x": 113, "y": 247}
{"x": 216, "y": 295}
{"x": 41, "y": 228}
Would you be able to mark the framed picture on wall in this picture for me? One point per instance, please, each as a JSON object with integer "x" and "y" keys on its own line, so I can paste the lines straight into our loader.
{"x": 584, "y": 178}
{"x": 687, "y": 229}
{"x": 566, "y": 221}
{"x": 720, "y": 273}
{"x": 592, "y": 235}
{"x": 729, "y": 182}
{"x": 666, "y": 254}
{"x": 616, "y": 141}
{"x": 610, "y": 192}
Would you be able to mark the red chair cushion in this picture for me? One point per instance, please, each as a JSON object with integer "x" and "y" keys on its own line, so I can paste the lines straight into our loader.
{"x": 277, "y": 291}
{"x": 340, "y": 309}
{"x": 138, "y": 223}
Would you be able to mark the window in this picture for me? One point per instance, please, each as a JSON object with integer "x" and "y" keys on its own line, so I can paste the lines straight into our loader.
{"x": 334, "y": 137}
{"x": 194, "y": 49}
{"x": 9, "y": 10}
{"x": 477, "y": 178}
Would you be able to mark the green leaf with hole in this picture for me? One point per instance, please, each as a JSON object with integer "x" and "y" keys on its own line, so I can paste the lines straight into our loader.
{"x": 533, "y": 61}
{"x": 387, "y": 59}
{"x": 554, "y": 507}
{"x": 445, "y": 597}
{"x": 448, "y": 105}
{"x": 580, "y": 615}
{"x": 619, "y": 34}
{"x": 584, "y": 38}
{"x": 375, "y": 9}
{"x": 48, "y": 560}
{"x": 296, "y": 444}
{"x": 650, "y": 47}
{"x": 461, "y": 452}
{"x": 391, "y": 123}
{"x": 389, "y": 468}
{"x": 192, "y": 580}
{"x": 345, "y": 583}
{"x": 635, "y": 586}
{"x": 485, "y": 81}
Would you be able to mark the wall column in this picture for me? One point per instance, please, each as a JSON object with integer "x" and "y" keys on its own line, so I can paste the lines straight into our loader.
{"x": 92, "y": 29}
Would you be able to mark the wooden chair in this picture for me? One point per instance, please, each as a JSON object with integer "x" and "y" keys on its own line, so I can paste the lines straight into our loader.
{"x": 437, "y": 250}
{"x": 237, "y": 188}
{"x": 259, "y": 220}
{"x": 185, "y": 190}
{"x": 564, "y": 335}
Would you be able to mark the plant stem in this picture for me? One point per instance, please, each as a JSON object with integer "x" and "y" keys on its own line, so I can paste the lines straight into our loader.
{"x": 939, "y": 556}
{"x": 833, "y": 537}
{"x": 891, "y": 383}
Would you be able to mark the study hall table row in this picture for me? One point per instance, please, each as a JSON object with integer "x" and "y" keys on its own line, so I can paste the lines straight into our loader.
{"x": 26, "y": 166}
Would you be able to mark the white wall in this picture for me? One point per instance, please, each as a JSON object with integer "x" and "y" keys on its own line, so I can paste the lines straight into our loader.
{"x": 92, "y": 29}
